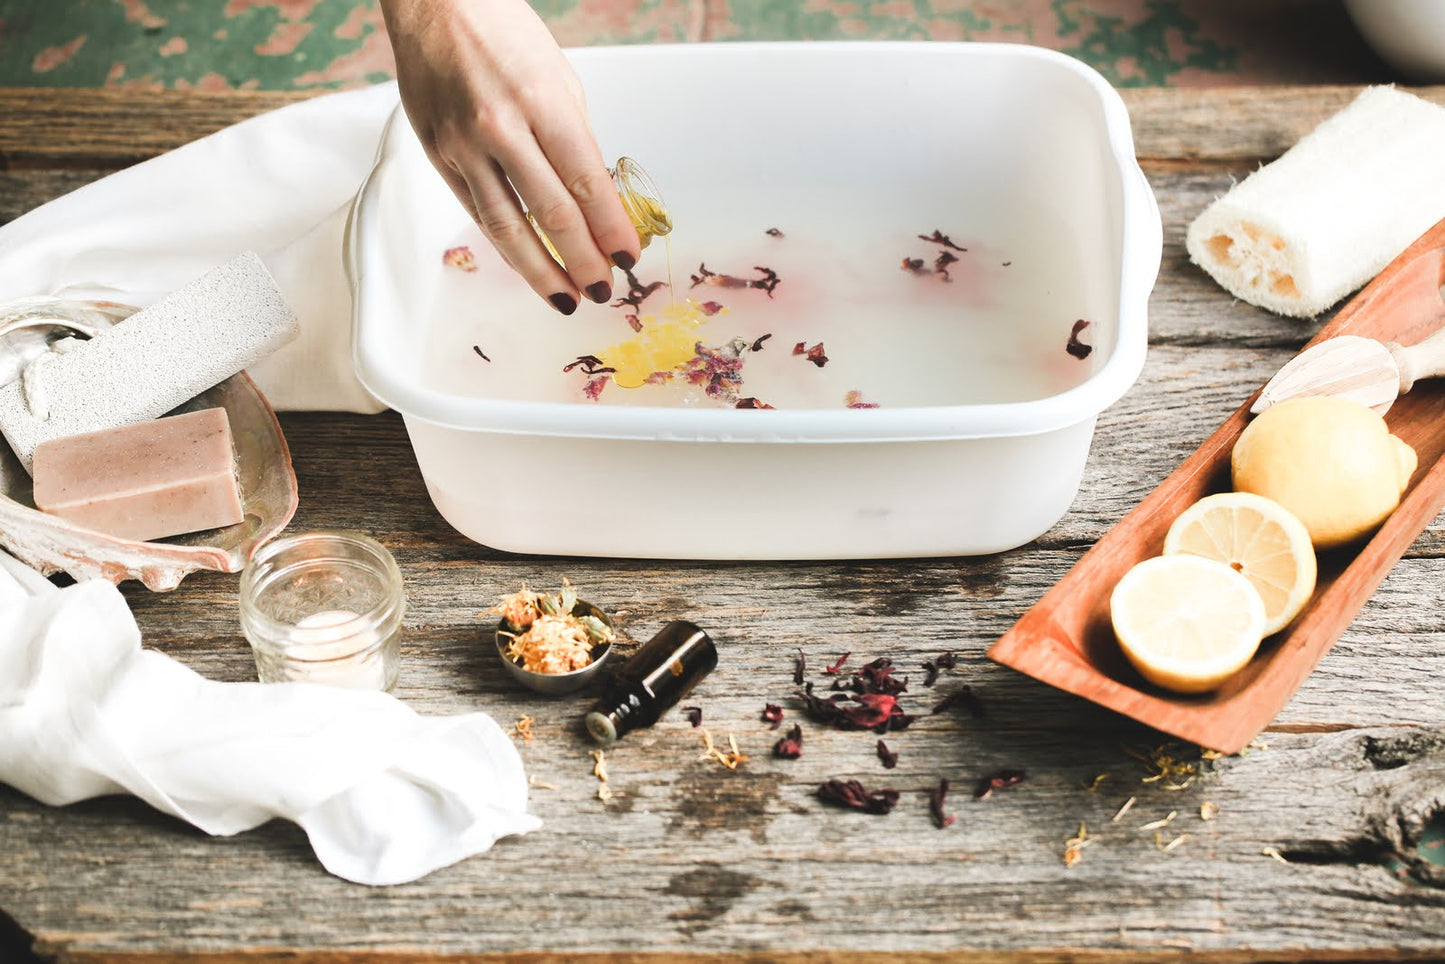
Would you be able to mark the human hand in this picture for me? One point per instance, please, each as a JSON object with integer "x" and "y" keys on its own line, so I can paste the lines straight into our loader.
{"x": 501, "y": 115}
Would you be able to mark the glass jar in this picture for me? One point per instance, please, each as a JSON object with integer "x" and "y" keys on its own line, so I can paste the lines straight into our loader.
{"x": 640, "y": 199}
{"x": 324, "y": 607}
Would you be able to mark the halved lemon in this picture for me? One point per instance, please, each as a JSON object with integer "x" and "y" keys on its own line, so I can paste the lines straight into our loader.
{"x": 1186, "y": 623}
{"x": 1258, "y": 538}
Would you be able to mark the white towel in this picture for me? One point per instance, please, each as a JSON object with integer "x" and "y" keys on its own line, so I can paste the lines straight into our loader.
{"x": 280, "y": 184}
{"x": 385, "y": 795}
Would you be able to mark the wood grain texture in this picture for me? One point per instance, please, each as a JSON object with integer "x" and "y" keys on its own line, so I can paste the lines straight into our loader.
{"x": 696, "y": 862}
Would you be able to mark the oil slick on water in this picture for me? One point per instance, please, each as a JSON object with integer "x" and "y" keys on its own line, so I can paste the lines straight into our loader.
{"x": 994, "y": 332}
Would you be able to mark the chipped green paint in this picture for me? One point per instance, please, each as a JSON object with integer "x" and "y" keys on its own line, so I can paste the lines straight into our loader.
{"x": 291, "y": 44}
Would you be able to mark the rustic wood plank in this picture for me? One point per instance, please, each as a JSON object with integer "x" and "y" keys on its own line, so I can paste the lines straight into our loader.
{"x": 49, "y": 127}
{"x": 696, "y": 862}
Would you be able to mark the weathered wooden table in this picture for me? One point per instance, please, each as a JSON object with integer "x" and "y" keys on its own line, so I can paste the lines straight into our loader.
{"x": 689, "y": 858}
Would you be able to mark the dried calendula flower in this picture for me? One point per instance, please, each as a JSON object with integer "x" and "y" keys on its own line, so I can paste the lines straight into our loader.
{"x": 1074, "y": 846}
{"x": 1208, "y": 811}
{"x": 524, "y": 728}
{"x": 731, "y": 758}
{"x": 547, "y": 633}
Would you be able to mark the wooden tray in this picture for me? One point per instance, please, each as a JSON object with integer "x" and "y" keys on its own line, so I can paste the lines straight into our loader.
{"x": 1066, "y": 638}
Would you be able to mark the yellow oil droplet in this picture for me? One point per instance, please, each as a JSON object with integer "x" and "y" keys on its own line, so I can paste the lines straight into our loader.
{"x": 664, "y": 343}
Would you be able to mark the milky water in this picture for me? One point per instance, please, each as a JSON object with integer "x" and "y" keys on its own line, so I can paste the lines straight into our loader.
{"x": 995, "y": 331}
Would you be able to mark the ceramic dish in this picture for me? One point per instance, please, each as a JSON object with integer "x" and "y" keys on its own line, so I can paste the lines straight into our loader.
{"x": 52, "y": 544}
{"x": 914, "y": 411}
{"x": 1067, "y": 639}
{"x": 556, "y": 684}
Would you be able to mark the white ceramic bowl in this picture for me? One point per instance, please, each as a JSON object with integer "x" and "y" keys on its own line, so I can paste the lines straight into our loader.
{"x": 1407, "y": 34}
{"x": 855, "y": 152}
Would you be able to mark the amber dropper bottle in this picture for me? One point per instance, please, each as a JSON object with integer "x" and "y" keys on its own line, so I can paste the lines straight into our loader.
{"x": 659, "y": 674}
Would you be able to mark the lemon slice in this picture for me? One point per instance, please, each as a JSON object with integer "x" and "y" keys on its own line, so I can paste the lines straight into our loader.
{"x": 1186, "y": 623}
{"x": 1257, "y": 537}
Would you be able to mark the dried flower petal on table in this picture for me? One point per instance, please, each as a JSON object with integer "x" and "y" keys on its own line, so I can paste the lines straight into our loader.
{"x": 1165, "y": 769}
{"x": 693, "y": 715}
{"x": 592, "y": 390}
{"x": 1076, "y": 347}
{"x": 854, "y": 399}
{"x": 459, "y": 257}
{"x": 941, "y": 263}
{"x": 772, "y": 715}
{"x": 914, "y": 265}
{"x": 1074, "y": 846}
{"x": 852, "y": 795}
{"x": 1093, "y": 782}
{"x": 637, "y": 292}
{"x": 480, "y": 354}
{"x": 766, "y": 281}
{"x": 773, "y": 233}
{"x": 837, "y": 665}
{"x": 731, "y": 758}
{"x": 633, "y": 322}
{"x": 874, "y": 677}
{"x": 751, "y": 402}
{"x": 936, "y": 798}
{"x": 524, "y": 728}
{"x": 758, "y": 343}
{"x": 997, "y": 781}
{"x": 888, "y": 757}
{"x": 870, "y": 711}
{"x": 790, "y": 746}
{"x": 938, "y": 237}
{"x": 800, "y": 666}
{"x": 710, "y": 308}
{"x": 1208, "y": 811}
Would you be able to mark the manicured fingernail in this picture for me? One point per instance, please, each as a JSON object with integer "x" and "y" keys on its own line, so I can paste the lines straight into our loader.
{"x": 599, "y": 292}
{"x": 623, "y": 260}
{"x": 563, "y": 302}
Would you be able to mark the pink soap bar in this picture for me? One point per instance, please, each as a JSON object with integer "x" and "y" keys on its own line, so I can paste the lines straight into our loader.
{"x": 143, "y": 481}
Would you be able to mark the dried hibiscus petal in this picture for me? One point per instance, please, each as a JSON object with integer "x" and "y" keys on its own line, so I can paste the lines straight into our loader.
{"x": 633, "y": 322}
{"x": 766, "y": 281}
{"x": 1075, "y": 347}
{"x": 772, "y": 715}
{"x": 459, "y": 257}
{"x": 941, "y": 263}
{"x": 710, "y": 308}
{"x": 837, "y": 667}
{"x": 590, "y": 365}
{"x": 935, "y": 804}
{"x": 997, "y": 781}
{"x": 758, "y": 345}
{"x": 592, "y": 390}
{"x": 854, "y": 796}
{"x": 914, "y": 265}
{"x": 931, "y": 667}
{"x": 874, "y": 677}
{"x": 751, "y": 402}
{"x": 938, "y": 237}
{"x": 814, "y": 354}
{"x": 889, "y": 757}
{"x": 866, "y": 711}
{"x": 773, "y": 233}
{"x": 800, "y": 667}
{"x": 790, "y": 746}
{"x": 693, "y": 714}
{"x": 480, "y": 354}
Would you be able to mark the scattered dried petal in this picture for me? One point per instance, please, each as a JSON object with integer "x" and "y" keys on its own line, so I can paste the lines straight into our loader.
{"x": 814, "y": 354}
{"x": 731, "y": 758}
{"x": 592, "y": 390}
{"x": 480, "y": 354}
{"x": 758, "y": 344}
{"x": 590, "y": 365}
{"x": 938, "y": 237}
{"x": 1208, "y": 811}
{"x": 459, "y": 257}
{"x": 935, "y": 804}
{"x": 1166, "y": 847}
{"x": 997, "y": 781}
{"x": 599, "y": 764}
{"x": 941, "y": 263}
{"x": 524, "y": 728}
{"x": 1164, "y": 768}
{"x": 1093, "y": 783}
{"x": 1074, "y": 846}
{"x": 853, "y": 795}
{"x": 766, "y": 281}
{"x": 1124, "y": 809}
{"x": 541, "y": 784}
{"x": 1161, "y": 822}
{"x": 930, "y": 672}
{"x": 799, "y": 667}
{"x": 946, "y": 660}
{"x": 773, "y": 233}
{"x": 693, "y": 714}
{"x": 790, "y": 746}
{"x": 874, "y": 677}
{"x": 637, "y": 292}
{"x": 854, "y": 399}
{"x": 710, "y": 308}
{"x": 914, "y": 265}
{"x": 751, "y": 402}
{"x": 870, "y": 711}
{"x": 889, "y": 757}
{"x": 633, "y": 322}
{"x": 837, "y": 666}
{"x": 1074, "y": 346}
{"x": 1275, "y": 854}
{"x": 772, "y": 715}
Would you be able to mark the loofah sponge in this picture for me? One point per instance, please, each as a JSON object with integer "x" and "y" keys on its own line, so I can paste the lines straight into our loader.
{"x": 1307, "y": 229}
{"x": 151, "y": 362}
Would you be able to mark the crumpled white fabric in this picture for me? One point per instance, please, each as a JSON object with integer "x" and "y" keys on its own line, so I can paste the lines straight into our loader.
{"x": 385, "y": 795}
{"x": 280, "y": 184}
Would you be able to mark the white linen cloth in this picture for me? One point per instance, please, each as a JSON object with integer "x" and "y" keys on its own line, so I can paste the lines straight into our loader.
{"x": 385, "y": 795}
{"x": 279, "y": 184}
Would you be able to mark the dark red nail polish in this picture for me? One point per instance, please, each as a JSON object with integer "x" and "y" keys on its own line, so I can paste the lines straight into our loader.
{"x": 563, "y": 302}
{"x": 623, "y": 260}
{"x": 599, "y": 292}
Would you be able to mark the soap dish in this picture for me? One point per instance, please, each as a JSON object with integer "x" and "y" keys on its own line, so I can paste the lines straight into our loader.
{"x": 52, "y": 544}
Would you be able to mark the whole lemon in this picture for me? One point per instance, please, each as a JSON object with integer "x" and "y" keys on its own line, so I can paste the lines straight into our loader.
{"x": 1330, "y": 461}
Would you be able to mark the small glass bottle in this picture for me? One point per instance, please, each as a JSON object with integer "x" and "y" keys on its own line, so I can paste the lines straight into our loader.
{"x": 659, "y": 674}
{"x": 640, "y": 199}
